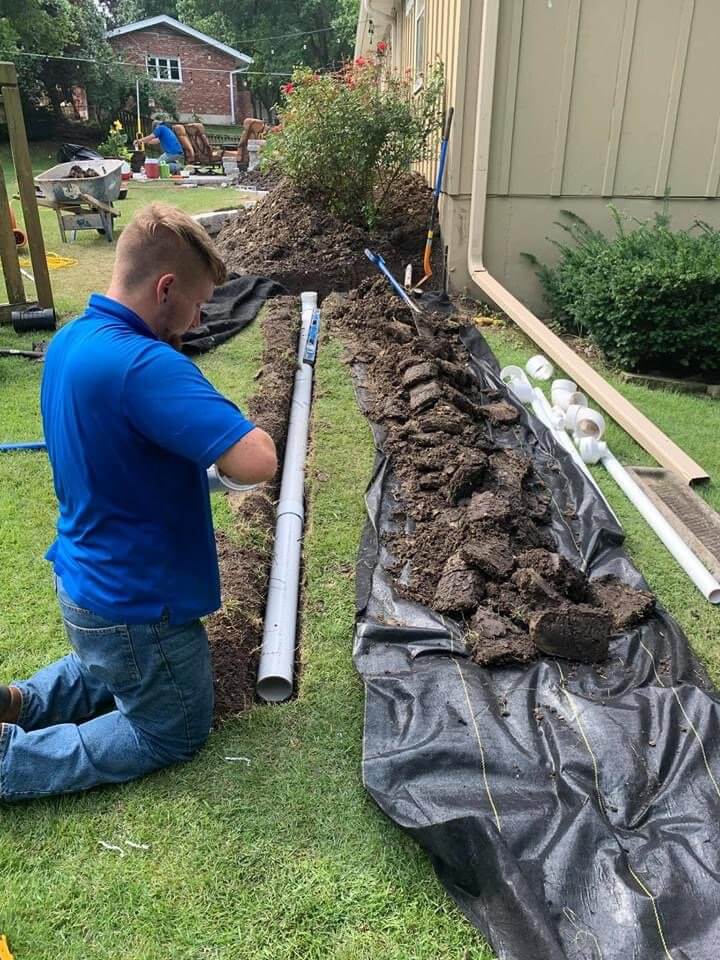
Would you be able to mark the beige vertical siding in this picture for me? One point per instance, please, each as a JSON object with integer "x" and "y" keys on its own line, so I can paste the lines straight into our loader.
{"x": 618, "y": 98}
{"x": 598, "y": 102}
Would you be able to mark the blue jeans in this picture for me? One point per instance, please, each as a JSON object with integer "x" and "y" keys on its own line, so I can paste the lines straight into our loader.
{"x": 175, "y": 161}
{"x": 128, "y": 700}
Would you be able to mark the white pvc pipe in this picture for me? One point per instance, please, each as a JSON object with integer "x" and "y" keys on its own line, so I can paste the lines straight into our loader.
{"x": 543, "y": 411}
{"x": 277, "y": 657}
{"x": 594, "y": 451}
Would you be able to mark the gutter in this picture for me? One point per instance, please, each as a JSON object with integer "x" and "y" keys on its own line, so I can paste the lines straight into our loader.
{"x": 640, "y": 428}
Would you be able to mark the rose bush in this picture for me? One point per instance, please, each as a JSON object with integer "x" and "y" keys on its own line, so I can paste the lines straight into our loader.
{"x": 347, "y": 136}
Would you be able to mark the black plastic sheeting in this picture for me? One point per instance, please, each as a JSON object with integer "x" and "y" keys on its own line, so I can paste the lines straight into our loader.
{"x": 571, "y": 810}
{"x": 234, "y": 305}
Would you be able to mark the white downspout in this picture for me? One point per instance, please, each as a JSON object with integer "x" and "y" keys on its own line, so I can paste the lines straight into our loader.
{"x": 367, "y": 13}
{"x": 233, "y": 73}
{"x": 643, "y": 430}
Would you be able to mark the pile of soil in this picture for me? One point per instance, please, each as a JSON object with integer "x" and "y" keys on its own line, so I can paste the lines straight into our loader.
{"x": 473, "y": 538}
{"x": 258, "y": 180}
{"x": 235, "y": 632}
{"x": 79, "y": 173}
{"x": 292, "y": 238}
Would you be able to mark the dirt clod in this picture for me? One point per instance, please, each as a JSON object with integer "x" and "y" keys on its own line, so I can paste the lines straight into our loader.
{"x": 577, "y": 632}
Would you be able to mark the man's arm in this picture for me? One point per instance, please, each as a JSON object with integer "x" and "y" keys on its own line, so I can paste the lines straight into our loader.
{"x": 150, "y": 139}
{"x": 251, "y": 460}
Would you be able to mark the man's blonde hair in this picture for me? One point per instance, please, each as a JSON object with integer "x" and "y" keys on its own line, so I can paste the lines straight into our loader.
{"x": 161, "y": 238}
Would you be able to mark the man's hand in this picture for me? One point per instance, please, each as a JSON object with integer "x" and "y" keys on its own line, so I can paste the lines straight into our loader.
{"x": 250, "y": 460}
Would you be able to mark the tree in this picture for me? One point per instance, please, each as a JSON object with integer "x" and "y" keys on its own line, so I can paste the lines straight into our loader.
{"x": 70, "y": 35}
{"x": 314, "y": 33}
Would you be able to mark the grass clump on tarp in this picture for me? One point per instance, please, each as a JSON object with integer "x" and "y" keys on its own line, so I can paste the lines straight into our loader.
{"x": 649, "y": 297}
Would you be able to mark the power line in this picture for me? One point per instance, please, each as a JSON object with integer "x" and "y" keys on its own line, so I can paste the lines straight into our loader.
{"x": 246, "y": 42}
{"x": 124, "y": 63}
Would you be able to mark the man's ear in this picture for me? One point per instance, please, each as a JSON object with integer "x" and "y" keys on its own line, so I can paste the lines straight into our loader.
{"x": 163, "y": 287}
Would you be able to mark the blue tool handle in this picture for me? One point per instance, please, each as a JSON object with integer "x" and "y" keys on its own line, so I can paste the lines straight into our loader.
{"x": 380, "y": 264}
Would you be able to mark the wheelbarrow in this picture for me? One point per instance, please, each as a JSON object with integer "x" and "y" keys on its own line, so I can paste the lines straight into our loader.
{"x": 82, "y": 202}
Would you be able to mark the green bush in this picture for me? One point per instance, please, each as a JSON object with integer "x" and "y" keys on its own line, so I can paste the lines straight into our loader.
{"x": 649, "y": 297}
{"x": 347, "y": 136}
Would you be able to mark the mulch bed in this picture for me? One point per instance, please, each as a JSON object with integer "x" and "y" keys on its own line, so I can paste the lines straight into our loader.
{"x": 481, "y": 550}
{"x": 235, "y": 632}
{"x": 292, "y": 238}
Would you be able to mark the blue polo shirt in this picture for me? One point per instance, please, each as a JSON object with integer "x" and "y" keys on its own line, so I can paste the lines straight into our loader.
{"x": 131, "y": 426}
{"x": 168, "y": 141}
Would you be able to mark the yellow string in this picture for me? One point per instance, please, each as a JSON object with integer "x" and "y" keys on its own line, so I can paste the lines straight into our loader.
{"x": 576, "y": 717}
{"x": 645, "y": 890}
{"x": 689, "y": 721}
{"x": 482, "y": 752}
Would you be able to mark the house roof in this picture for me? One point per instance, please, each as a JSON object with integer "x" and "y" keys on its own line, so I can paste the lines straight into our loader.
{"x": 174, "y": 24}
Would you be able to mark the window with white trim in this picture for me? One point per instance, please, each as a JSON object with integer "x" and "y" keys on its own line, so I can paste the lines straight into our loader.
{"x": 165, "y": 69}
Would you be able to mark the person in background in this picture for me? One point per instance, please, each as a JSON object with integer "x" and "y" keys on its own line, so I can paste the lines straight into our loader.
{"x": 163, "y": 134}
{"x": 132, "y": 426}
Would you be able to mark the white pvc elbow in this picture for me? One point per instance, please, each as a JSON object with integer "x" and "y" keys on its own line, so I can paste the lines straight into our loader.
{"x": 539, "y": 367}
{"x": 515, "y": 380}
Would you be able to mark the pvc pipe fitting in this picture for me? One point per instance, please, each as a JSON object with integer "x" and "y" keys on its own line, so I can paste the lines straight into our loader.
{"x": 565, "y": 393}
{"x": 557, "y": 418}
{"x": 219, "y": 481}
{"x": 591, "y": 449}
{"x": 516, "y": 381}
{"x": 589, "y": 423}
{"x": 561, "y": 389}
{"x": 571, "y": 415}
{"x": 539, "y": 367}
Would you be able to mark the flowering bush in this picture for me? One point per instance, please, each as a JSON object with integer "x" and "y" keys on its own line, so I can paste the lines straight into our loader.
{"x": 348, "y": 135}
{"x": 115, "y": 144}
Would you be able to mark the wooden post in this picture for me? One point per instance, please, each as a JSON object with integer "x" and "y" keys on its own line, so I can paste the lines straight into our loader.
{"x": 23, "y": 168}
{"x": 8, "y": 250}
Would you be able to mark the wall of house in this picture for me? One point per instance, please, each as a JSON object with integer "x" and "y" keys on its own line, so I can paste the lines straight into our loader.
{"x": 203, "y": 93}
{"x": 593, "y": 103}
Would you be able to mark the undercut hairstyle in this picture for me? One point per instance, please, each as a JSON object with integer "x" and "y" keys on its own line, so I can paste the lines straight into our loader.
{"x": 162, "y": 239}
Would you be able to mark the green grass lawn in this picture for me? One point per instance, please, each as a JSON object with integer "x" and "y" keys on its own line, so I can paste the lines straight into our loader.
{"x": 284, "y": 857}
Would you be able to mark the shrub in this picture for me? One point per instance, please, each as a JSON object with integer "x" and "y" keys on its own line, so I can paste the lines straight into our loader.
{"x": 115, "y": 144}
{"x": 347, "y": 136}
{"x": 649, "y": 297}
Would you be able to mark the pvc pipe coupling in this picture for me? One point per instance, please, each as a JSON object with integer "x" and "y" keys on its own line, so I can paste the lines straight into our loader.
{"x": 517, "y": 382}
{"x": 539, "y": 367}
{"x": 218, "y": 481}
{"x": 565, "y": 393}
{"x": 592, "y": 450}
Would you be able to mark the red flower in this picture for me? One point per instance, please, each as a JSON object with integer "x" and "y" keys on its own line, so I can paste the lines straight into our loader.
{"x": 288, "y": 88}
{"x": 360, "y": 62}
{"x": 382, "y": 47}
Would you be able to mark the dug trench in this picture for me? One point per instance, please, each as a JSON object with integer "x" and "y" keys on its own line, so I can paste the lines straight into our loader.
{"x": 235, "y": 631}
{"x": 472, "y": 537}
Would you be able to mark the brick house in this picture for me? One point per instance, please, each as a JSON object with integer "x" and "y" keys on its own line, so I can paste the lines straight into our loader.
{"x": 203, "y": 72}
